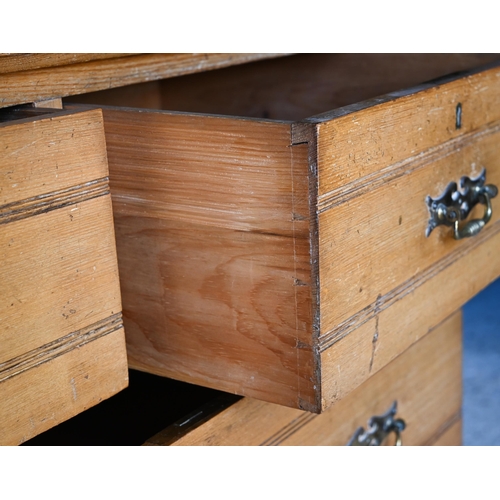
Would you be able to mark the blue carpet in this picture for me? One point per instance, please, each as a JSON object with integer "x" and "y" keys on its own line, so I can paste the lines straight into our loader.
{"x": 481, "y": 368}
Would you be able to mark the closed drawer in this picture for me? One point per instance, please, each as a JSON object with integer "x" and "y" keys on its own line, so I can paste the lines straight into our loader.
{"x": 425, "y": 381}
{"x": 286, "y": 260}
{"x": 61, "y": 336}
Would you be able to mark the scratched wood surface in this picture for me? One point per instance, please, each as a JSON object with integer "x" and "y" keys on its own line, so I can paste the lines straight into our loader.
{"x": 59, "y": 286}
{"x": 212, "y": 227}
{"x": 425, "y": 381}
{"x": 37, "y": 78}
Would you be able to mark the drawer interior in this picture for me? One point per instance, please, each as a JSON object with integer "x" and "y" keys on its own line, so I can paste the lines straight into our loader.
{"x": 148, "y": 405}
{"x": 288, "y": 88}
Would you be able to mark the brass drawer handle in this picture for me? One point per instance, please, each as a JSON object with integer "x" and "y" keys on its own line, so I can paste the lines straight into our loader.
{"x": 379, "y": 427}
{"x": 453, "y": 206}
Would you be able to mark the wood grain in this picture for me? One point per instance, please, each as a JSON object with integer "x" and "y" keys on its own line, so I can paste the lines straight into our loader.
{"x": 374, "y": 238}
{"x": 213, "y": 248}
{"x": 397, "y": 127}
{"x": 13, "y": 63}
{"x": 65, "y": 149}
{"x": 59, "y": 294}
{"x": 425, "y": 380}
{"x": 371, "y": 345}
{"x": 64, "y": 386}
{"x": 288, "y": 88}
{"x": 50, "y": 81}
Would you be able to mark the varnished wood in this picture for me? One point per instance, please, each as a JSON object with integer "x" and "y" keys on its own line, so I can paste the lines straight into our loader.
{"x": 375, "y": 236}
{"x": 51, "y": 80}
{"x": 59, "y": 295}
{"x": 425, "y": 380}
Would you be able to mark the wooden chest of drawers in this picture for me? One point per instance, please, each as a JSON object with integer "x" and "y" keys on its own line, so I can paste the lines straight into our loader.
{"x": 270, "y": 251}
{"x": 287, "y": 260}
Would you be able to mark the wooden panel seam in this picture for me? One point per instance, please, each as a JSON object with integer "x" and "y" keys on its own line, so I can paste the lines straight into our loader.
{"x": 63, "y": 345}
{"x": 376, "y": 179}
{"x": 456, "y": 417}
{"x": 54, "y": 200}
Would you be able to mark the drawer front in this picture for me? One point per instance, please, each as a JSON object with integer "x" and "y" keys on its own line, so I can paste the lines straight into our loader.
{"x": 425, "y": 381}
{"x": 288, "y": 262}
{"x": 62, "y": 338}
{"x": 382, "y": 282}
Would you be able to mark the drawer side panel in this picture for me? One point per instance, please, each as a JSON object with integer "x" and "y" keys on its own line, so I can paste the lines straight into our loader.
{"x": 213, "y": 249}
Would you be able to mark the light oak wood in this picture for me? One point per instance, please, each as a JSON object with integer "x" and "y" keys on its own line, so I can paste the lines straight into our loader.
{"x": 240, "y": 274}
{"x": 47, "y": 79}
{"x": 425, "y": 381}
{"x": 214, "y": 265}
{"x": 59, "y": 286}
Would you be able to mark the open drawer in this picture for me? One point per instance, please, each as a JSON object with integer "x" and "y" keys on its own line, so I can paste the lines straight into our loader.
{"x": 285, "y": 258}
{"x": 61, "y": 336}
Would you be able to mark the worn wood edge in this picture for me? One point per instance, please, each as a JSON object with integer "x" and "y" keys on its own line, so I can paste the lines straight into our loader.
{"x": 39, "y": 114}
{"x": 407, "y": 166}
{"x": 15, "y": 62}
{"x": 444, "y": 428}
{"x": 330, "y": 338}
{"x": 307, "y": 134}
{"x": 52, "y": 350}
{"x": 73, "y": 79}
{"x": 393, "y": 96}
{"x": 47, "y": 202}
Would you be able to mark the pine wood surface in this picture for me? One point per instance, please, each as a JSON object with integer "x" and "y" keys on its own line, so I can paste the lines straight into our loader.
{"x": 40, "y": 398}
{"x": 425, "y": 380}
{"x": 59, "y": 285}
{"x": 372, "y": 240}
{"x": 57, "y": 75}
{"x": 399, "y": 127}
